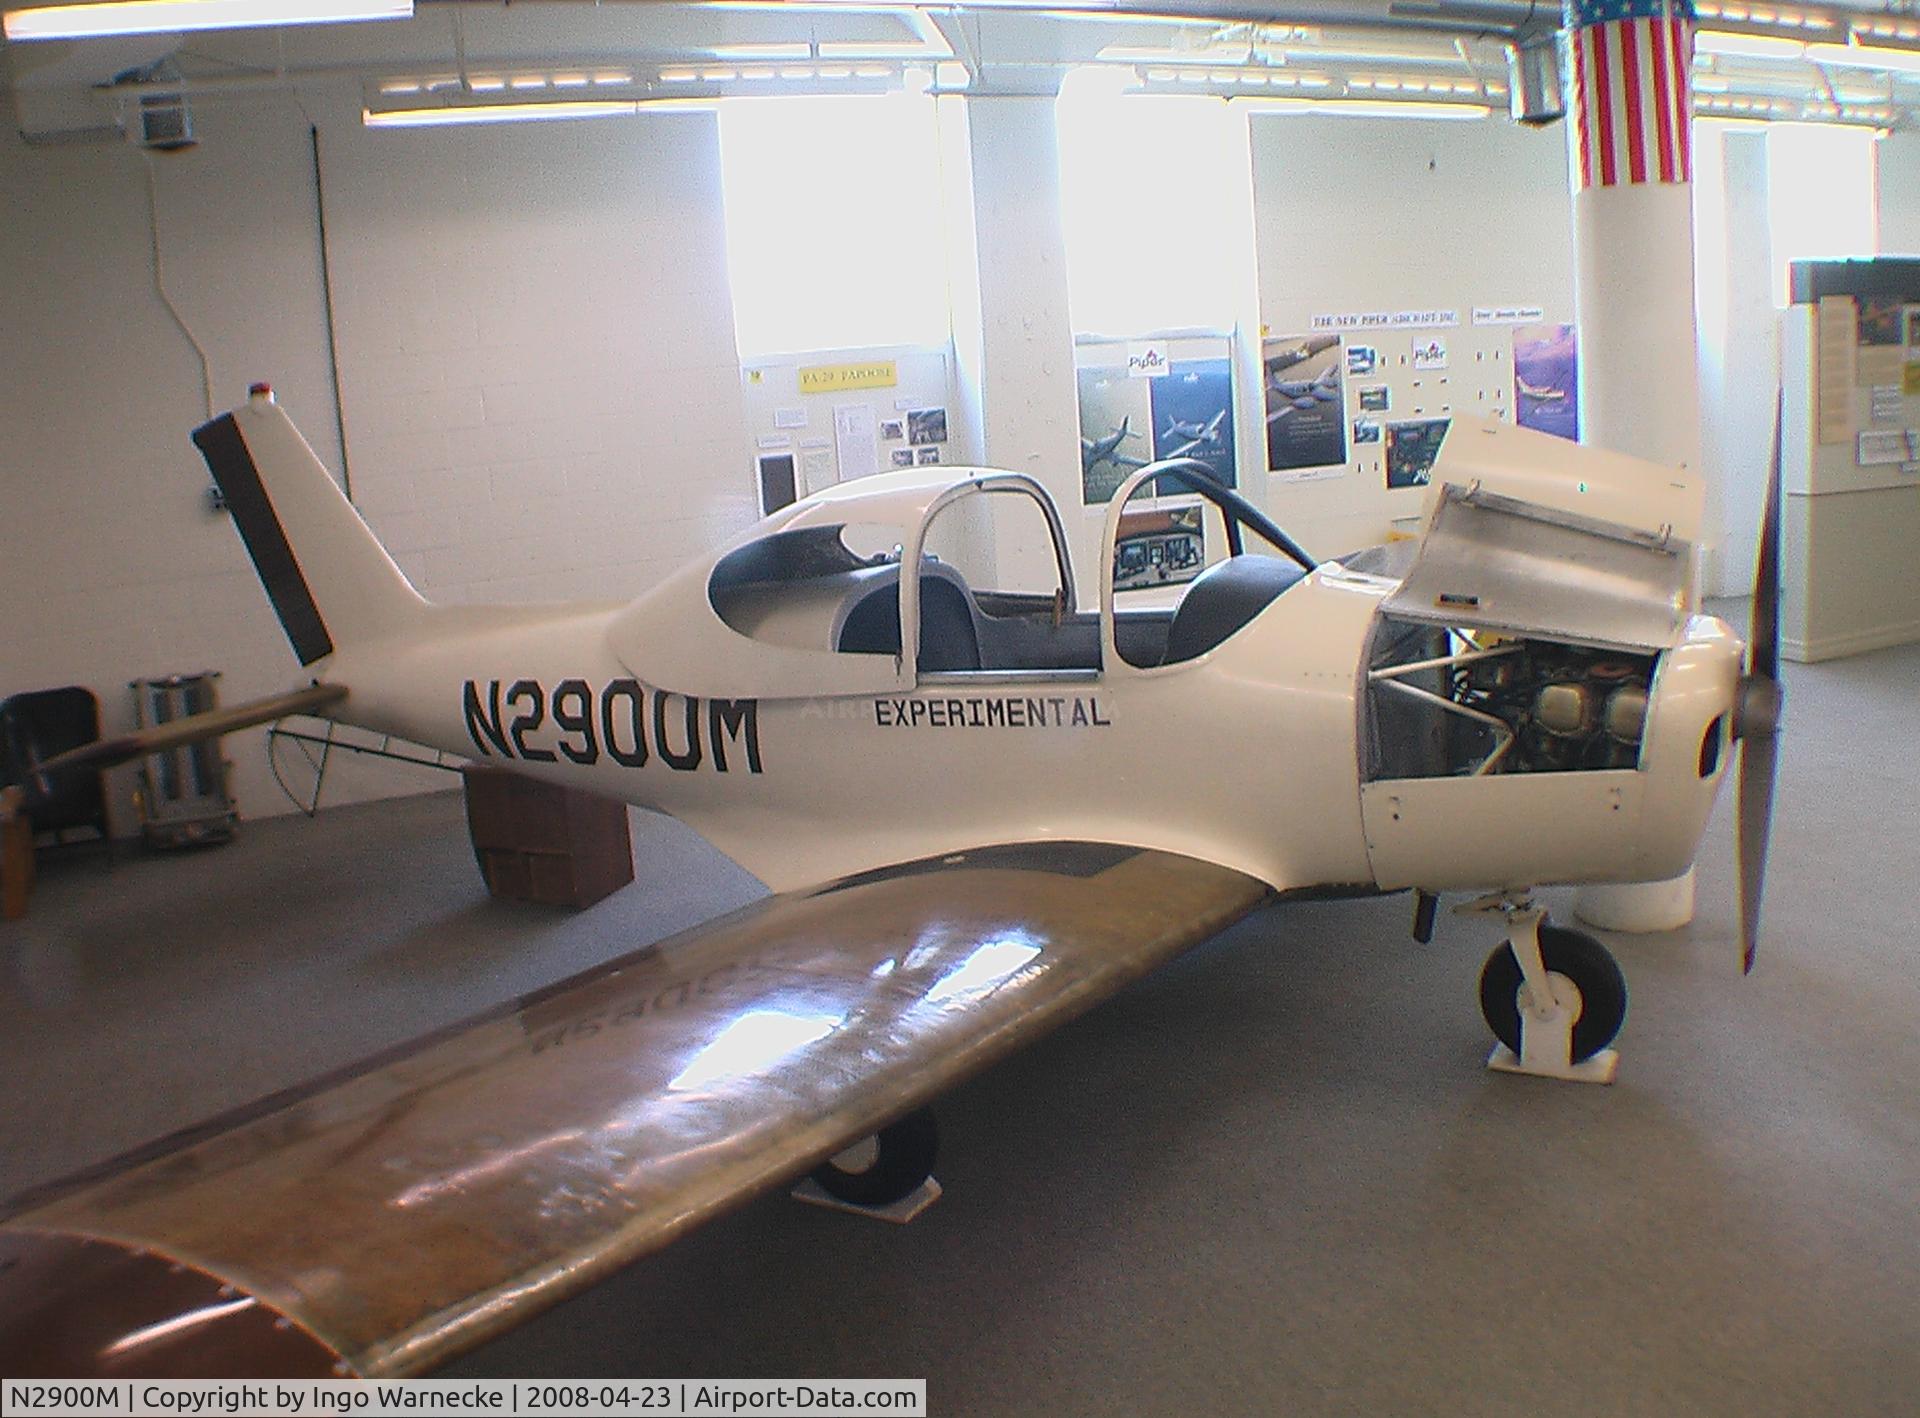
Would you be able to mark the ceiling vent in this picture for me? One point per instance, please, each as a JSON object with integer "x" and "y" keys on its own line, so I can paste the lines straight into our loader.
{"x": 163, "y": 123}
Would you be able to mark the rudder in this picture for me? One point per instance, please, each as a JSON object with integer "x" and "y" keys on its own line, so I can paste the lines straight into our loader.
{"x": 325, "y": 572}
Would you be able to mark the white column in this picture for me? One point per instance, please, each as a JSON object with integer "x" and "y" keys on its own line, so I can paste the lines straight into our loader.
{"x": 1026, "y": 339}
{"x": 1633, "y": 286}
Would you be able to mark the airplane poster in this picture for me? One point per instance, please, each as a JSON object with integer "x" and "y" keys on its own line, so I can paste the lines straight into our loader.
{"x": 1193, "y": 414}
{"x": 1306, "y": 416}
{"x": 1116, "y": 429}
{"x": 1546, "y": 382}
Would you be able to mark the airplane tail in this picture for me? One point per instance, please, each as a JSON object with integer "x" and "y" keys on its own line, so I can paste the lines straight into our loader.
{"x": 330, "y": 580}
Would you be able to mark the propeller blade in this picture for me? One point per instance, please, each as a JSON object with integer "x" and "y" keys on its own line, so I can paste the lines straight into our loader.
{"x": 195, "y": 728}
{"x": 1758, "y": 756}
{"x": 1757, "y": 712}
{"x": 1763, "y": 640}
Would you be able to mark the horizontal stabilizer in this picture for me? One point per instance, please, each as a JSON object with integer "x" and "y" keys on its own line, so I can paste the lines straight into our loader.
{"x": 194, "y": 728}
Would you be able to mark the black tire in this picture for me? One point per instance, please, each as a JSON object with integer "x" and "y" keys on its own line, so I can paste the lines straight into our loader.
{"x": 1582, "y": 960}
{"x": 902, "y": 1161}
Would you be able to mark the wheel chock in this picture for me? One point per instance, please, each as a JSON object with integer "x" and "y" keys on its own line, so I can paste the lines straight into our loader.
{"x": 1546, "y": 1051}
{"x": 898, "y": 1212}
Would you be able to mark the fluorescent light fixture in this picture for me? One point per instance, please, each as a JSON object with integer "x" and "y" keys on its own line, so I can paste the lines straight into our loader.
{"x": 115, "y": 17}
{"x": 1747, "y": 46}
{"x": 1366, "y": 108}
{"x": 453, "y": 114}
{"x": 1866, "y": 56}
{"x": 762, "y": 51}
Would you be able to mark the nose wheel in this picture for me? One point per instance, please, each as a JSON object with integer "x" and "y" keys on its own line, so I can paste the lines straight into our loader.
{"x": 1554, "y": 998}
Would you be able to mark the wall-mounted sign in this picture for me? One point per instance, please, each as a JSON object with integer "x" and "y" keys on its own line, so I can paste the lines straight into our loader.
{"x": 1147, "y": 360}
{"x": 861, "y": 374}
{"x": 1388, "y": 320}
{"x": 1508, "y": 314}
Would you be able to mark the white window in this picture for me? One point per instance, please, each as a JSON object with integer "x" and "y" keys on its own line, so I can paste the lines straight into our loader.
{"x": 1153, "y": 189}
{"x": 1820, "y": 195}
{"x": 835, "y": 237}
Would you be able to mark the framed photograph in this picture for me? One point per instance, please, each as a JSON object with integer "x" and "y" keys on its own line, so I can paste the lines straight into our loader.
{"x": 926, "y": 426}
{"x": 1366, "y": 431}
{"x": 1375, "y": 399}
{"x": 925, "y": 455}
{"x": 903, "y": 457}
{"x": 892, "y": 430}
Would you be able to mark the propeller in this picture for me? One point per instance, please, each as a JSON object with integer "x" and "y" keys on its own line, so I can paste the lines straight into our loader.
{"x": 1756, "y": 712}
{"x": 176, "y": 733}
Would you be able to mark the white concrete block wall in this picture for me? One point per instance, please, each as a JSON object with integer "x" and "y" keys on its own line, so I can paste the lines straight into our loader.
{"x": 536, "y": 340}
{"x": 540, "y": 389}
{"x": 111, "y": 563}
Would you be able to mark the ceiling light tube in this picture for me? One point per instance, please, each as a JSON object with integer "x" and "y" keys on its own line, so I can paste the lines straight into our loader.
{"x": 119, "y": 17}
{"x": 552, "y": 111}
{"x": 1366, "y": 108}
{"x": 1747, "y": 46}
{"x": 1866, "y": 56}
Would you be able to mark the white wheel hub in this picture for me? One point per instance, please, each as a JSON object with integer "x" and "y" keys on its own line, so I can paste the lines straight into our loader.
{"x": 1566, "y": 996}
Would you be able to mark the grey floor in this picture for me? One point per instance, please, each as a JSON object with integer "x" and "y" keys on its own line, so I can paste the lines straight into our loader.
{"x": 1274, "y": 1178}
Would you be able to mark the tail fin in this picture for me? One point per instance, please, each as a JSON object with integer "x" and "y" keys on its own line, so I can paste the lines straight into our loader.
{"x": 339, "y": 584}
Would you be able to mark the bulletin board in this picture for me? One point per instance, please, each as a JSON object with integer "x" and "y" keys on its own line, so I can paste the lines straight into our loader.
{"x": 831, "y": 416}
{"x": 1371, "y": 394}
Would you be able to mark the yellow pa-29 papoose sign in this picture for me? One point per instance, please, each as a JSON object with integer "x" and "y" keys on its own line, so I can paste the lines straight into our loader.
{"x": 864, "y": 374}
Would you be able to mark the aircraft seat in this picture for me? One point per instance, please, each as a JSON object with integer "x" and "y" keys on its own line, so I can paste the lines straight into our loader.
{"x": 1222, "y": 599}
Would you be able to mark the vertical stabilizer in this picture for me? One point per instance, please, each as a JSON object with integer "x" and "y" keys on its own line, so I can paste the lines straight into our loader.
{"x": 330, "y": 580}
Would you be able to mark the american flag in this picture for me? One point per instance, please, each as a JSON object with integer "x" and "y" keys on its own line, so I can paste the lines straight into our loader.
{"x": 1633, "y": 90}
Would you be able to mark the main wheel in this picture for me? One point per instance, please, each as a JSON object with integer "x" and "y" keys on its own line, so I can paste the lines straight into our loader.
{"x": 1584, "y": 977}
{"x": 886, "y": 1167}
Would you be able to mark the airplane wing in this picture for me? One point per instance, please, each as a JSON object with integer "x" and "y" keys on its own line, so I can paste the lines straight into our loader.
{"x": 384, "y": 1220}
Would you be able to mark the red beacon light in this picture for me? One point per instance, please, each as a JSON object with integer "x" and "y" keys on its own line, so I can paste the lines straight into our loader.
{"x": 260, "y": 390}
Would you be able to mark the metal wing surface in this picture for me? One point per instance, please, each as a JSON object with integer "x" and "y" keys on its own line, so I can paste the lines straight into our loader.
{"x": 387, "y": 1219}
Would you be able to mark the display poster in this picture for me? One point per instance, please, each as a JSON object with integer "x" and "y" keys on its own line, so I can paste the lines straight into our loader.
{"x": 1546, "y": 379}
{"x": 1836, "y": 332}
{"x": 1116, "y": 423}
{"x": 1306, "y": 423}
{"x": 1192, "y": 410}
{"x": 854, "y": 440}
{"x": 1412, "y": 447}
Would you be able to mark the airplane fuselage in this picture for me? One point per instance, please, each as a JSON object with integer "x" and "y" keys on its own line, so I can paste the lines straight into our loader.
{"x": 1248, "y": 756}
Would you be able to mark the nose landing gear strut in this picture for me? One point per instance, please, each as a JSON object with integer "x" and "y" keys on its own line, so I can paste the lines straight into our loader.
{"x": 1554, "y": 998}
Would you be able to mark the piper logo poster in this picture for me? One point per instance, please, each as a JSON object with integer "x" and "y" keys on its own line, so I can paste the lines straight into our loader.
{"x": 1147, "y": 360}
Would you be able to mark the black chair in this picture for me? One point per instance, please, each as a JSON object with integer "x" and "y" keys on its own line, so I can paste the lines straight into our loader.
{"x": 33, "y": 728}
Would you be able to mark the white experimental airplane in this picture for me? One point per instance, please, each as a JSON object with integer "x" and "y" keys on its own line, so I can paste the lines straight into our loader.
{"x": 953, "y": 790}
